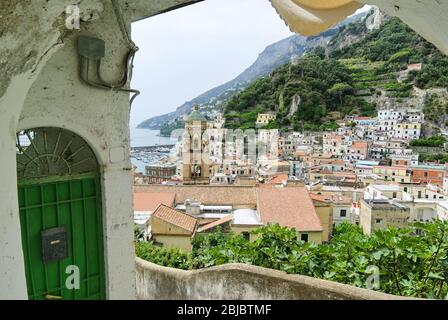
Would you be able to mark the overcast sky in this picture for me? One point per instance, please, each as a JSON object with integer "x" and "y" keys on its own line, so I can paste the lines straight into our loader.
{"x": 188, "y": 51}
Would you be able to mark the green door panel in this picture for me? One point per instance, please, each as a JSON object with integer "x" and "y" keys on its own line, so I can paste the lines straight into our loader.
{"x": 74, "y": 203}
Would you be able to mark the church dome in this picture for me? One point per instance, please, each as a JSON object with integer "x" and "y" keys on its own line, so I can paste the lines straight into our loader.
{"x": 195, "y": 115}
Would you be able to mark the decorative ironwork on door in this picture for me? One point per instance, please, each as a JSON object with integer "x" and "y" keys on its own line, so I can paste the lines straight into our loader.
{"x": 59, "y": 193}
{"x": 44, "y": 152}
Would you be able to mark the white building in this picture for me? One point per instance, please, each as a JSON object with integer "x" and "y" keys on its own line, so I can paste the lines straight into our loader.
{"x": 263, "y": 119}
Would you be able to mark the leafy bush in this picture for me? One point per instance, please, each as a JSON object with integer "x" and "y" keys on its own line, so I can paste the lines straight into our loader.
{"x": 392, "y": 42}
{"x": 410, "y": 263}
{"x": 436, "y": 106}
{"x": 440, "y": 158}
{"x": 435, "y": 141}
{"x": 173, "y": 258}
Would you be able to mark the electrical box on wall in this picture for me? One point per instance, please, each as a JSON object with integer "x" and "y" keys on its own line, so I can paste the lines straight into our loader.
{"x": 91, "y": 48}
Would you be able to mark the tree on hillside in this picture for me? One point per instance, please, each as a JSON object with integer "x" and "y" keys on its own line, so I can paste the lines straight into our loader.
{"x": 339, "y": 90}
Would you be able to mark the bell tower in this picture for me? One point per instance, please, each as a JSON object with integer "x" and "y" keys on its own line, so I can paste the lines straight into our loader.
{"x": 195, "y": 156}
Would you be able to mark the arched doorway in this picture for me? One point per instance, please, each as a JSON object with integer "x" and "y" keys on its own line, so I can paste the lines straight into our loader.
{"x": 60, "y": 215}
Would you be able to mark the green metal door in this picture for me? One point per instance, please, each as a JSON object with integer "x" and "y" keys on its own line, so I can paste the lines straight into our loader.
{"x": 68, "y": 199}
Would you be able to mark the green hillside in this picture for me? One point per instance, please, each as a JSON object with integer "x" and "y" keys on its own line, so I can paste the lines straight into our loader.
{"x": 341, "y": 83}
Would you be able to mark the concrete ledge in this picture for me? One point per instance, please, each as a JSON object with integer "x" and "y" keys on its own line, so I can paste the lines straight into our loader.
{"x": 240, "y": 282}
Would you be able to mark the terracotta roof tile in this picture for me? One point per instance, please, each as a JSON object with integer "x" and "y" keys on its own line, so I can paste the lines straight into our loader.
{"x": 177, "y": 218}
{"x": 207, "y": 195}
{"x": 359, "y": 145}
{"x": 320, "y": 198}
{"x": 216, "y": 223}
{"x": 290, "y": 207}
{"x": 150, "y": 201}
{"x": 333, "y": 198}
{"x": 279, "y": 179}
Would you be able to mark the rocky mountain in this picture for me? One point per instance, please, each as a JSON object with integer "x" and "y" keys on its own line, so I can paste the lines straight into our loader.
{"x": 389, "y": 67}
{"x": 270, "y": 59}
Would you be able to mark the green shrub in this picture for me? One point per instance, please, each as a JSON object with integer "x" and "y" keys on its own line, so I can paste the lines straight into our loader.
{"x": 173, "y": 258}
{"x": 410, "y": 263}
{"x": 435, "y": 141}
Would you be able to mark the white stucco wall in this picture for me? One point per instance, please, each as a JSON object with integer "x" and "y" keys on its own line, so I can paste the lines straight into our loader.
{"x": 12, "y": 268}
{"x": 40, "y": 87}
{"x": 57, "y": 98}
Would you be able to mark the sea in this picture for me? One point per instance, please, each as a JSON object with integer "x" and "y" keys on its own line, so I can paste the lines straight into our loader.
{"x": 147, "y": 138}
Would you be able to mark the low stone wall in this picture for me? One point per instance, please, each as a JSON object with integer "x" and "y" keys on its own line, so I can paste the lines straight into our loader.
{"x": 431, "y": 150}
{"x": 240, "y": 282}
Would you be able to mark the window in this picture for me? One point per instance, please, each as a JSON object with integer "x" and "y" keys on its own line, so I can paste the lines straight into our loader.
{"x": 394, "y": 195}
{"x": 343, "y": 213}
{"x": 304, "y": 237}
{"x": 246, "y": 236}
{"x": 378, "y": 221}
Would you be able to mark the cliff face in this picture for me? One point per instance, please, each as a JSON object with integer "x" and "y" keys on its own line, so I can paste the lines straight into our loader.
{"x": 384, "y": 68}
{"x": 353, "y": 33}
{"x": 270, "y": 59}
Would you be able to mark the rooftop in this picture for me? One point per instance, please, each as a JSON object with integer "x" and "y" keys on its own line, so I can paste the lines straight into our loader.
{"x": 290, "y": 207}
{"x": 391, "y": 167}
{"x": 428, "y": 167}
{"x": 386, "y": 187}
{"x": 195, "y": 115}
{"x": 176, "y": 218}
{"x": 333, "y": 198}
{"x": 385, "y": 205}
{"x": 216, "y": 223}
{"x": 359, "y": 145}
{"x": 221, "y": 195}
{"x": 246, "y": 217}
{"x": 150, "y": 201}
{"x": 279, "y": 179}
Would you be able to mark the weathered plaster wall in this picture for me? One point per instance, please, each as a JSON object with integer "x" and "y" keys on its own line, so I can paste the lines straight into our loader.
{"x": 57, "y": 98}
{"x": 30, "y": 33}
{"x": 240, "y": 282}
{"x": 139, "y": 9}
{"x": 40, "y": 87}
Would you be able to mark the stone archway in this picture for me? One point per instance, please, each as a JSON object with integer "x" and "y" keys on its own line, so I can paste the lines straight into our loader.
{"x": 60, "y": 209}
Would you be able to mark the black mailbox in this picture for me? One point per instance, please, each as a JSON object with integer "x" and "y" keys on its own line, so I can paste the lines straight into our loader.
{"x": 54, "y": 244}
